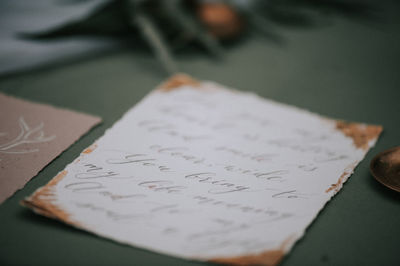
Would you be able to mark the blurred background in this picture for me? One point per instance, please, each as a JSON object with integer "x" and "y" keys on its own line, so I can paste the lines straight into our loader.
{"x": 42, "y": 32}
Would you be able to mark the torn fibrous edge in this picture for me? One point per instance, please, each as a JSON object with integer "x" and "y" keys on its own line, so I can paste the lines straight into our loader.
{"x": 348, "y": 171}
{"x": 177, "y": 81}
{"x": 180, "y": 80}
{"x": 363, "y": 137}
{"x": 42, "y": 201}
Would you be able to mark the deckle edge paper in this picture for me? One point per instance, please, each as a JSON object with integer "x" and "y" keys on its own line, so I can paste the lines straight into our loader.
{"x": 42, "y": 201}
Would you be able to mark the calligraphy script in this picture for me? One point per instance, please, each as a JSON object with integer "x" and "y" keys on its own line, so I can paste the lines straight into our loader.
{"x": 207, "y": 173}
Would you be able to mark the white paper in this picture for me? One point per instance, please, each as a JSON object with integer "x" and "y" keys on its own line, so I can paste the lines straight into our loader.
{"x": 207, "y": 172}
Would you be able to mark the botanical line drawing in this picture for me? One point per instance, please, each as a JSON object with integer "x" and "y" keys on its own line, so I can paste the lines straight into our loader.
{"x": 27, "y": 135}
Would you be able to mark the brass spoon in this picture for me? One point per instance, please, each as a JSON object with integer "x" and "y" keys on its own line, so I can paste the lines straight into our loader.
{"x": 385, "y": 167}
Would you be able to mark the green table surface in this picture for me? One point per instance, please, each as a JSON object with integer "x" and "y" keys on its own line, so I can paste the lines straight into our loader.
{"x": 339, "y": 67}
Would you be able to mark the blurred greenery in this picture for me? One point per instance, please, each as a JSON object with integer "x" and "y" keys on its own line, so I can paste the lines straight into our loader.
{"x": 172, "y": 26}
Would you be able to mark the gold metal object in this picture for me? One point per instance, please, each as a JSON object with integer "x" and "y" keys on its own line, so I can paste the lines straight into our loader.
{"x": 385, "y": 167}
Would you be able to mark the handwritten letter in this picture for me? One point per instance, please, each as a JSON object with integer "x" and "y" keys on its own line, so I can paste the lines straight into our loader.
{"x": 207, "y": 173}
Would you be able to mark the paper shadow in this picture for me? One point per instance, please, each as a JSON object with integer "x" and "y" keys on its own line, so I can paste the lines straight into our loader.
{"x": 28, "y": 215}
{"x": 382, "y": 190}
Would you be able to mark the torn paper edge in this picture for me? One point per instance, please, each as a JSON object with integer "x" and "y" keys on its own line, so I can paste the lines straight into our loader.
{"x": 42, "y": 201}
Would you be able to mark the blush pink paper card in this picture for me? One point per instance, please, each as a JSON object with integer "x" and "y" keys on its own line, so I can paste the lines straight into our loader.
{"x": 31, "y": 136}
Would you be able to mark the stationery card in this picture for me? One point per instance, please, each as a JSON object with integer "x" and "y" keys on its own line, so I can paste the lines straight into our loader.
{"x": 203, "y": 172}
{"x": 31, "y": 136}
